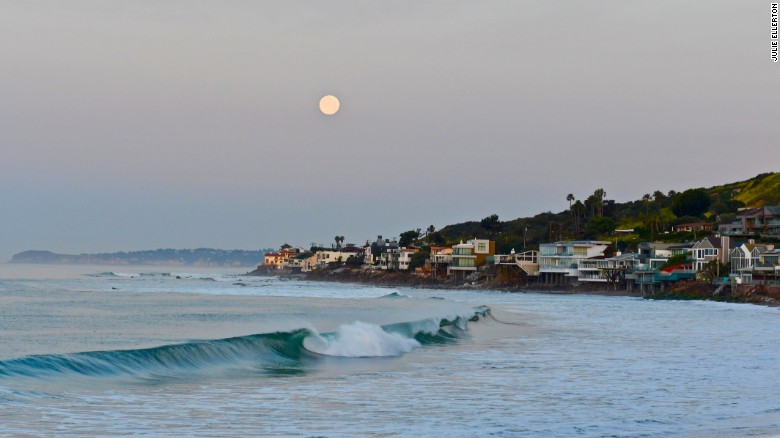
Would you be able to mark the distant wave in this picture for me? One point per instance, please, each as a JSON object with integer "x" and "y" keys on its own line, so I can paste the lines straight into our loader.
{"x": 274, "y": 353}
{"x": 182, "y": 275}
{"x": 394, "y": 295}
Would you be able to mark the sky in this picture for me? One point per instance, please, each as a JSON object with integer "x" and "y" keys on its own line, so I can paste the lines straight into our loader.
{"x": 132, "y": 125}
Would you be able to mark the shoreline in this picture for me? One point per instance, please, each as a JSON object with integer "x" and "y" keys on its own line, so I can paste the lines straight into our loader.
{"x": 681, "y": 291}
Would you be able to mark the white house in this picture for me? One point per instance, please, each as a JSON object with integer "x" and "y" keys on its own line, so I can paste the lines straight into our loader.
{"x": 558, "y": 261}
{"x": 604, "y": 270}
{"x": 405, "y": 258}
{"x": 325, "y": 257}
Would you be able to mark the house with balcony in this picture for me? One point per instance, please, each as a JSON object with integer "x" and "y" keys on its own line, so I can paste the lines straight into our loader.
{"x": 709, "y": 249}
{"x": 607, "y": 270}
{"x": 527, "y": 261}
{"x": 273, "y": 260}
{"x": 745, "y": 256}
{"x": 304, "y": 262}
{"x": 767, "y": 269}
{"x": 278, "y": 260}
{"x": 649, "y": 276}
{"x": 439, "y": 259}
{"x": 653, "y": 255}
{"x": 368, "y": 255}
{"x": 558, "y": 261}
{"x": 467, "y": 257}
{"x": 405, "y": 258}
{"x": 326, "y": 257}
{"x": 764, "y": 221}
{"x": 744, "y": 259}
{"x": 755, "y": 260}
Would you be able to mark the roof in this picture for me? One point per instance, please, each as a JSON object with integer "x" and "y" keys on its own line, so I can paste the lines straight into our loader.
{"x": 686, "y": 245}
{"x": 716, "y": 242}
{"x": 695, "y": 224}
{"x": 578, "y": 242}
{"x": 773, "y": 210}
{"x": 767, "y": 210}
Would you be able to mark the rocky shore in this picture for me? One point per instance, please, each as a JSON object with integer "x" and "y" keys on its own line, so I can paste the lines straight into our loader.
{"x": 684, "y": 290}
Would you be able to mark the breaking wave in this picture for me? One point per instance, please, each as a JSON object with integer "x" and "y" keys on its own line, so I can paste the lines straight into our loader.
{"x": 270, "y": 353}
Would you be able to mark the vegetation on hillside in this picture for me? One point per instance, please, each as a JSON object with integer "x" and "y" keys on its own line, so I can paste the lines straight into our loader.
{"x": 598, "y": 217}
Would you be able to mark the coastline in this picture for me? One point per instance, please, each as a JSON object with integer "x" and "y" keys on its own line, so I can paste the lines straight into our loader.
{"x": 681, "y": 291}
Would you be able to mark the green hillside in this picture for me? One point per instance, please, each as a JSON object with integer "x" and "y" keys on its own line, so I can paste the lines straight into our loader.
{"x": 597, "y": 217}
{"x": 761, "y": 190}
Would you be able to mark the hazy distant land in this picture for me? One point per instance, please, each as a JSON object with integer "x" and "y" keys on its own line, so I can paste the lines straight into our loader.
{"x": 163, "y": 257}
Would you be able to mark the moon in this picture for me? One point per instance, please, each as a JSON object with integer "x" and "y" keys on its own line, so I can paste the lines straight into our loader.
{"x": 329, "y": 105}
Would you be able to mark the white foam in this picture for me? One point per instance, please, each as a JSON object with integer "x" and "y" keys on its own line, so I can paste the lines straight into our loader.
{"x": 360, "y": 339}
{"x": 124, "y": 274}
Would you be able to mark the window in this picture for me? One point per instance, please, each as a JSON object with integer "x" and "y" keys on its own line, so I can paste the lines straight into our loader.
{"x": 481, "y": 247}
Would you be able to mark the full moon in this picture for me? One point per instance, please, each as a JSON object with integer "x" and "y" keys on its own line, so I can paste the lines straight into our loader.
{"x": 329, "y": 105}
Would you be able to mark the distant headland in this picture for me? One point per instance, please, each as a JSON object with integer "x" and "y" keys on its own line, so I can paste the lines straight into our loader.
{"x": 162, "y": 257}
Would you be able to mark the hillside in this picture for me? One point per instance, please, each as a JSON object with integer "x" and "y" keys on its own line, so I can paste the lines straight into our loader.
{"x": 167, "y": 257}
{"x": 597, "y": 217}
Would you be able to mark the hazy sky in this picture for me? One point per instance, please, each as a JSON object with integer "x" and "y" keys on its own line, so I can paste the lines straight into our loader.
{"x": 128, "y": 125}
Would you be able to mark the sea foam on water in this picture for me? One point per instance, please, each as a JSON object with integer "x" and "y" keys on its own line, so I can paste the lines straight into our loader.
{"x": 360, "y": 339}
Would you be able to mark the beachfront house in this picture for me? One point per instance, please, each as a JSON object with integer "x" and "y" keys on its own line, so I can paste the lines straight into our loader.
{"x": 326, "y": 257}
{"x": 711, "y": 248}
{"x": 558, "y": 260}
{"x": 527, "y": 261}
{"x": 368, "y": 255}
{"x": 467, "y": 257}
{"x": 754, "y": 258}
{"x": 405, "y": 258}
{"x": 607, "y": 270}
{"x": 745, "y": 256}
{"x": 440, "y": 258}
{"x": 653, "y": 255}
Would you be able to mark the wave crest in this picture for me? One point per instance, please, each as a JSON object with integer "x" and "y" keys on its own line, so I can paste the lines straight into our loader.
{"x": 360, "y": 339}
{"x": 275, "y": 353}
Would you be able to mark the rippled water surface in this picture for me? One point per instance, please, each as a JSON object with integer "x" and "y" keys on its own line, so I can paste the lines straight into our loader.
{"x": 169, "y": 351}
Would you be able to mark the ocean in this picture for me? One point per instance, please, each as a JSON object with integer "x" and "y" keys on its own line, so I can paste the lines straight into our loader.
{"x": 161, "y": 351}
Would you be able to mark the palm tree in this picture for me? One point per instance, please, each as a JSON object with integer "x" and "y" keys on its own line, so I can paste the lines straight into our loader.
{"x": 570, "y": 198}
{"x": 646, "y": 200}
{"x": 430, "y": 230}
{"x": 599, "y": 195}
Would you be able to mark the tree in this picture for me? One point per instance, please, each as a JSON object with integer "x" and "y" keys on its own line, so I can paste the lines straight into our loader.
{"x": 692, "y": 202}
{"x": 570, "y": 198}
{"x": 578, "y": 212}
{"x": 418, "y": 260}
{"x": 675, "y": 260}
{"x": 646, "y": 200}
{"x": 596, "y": 202}
{"x": 600, "y": 225}
{"x": 407, "y": 237}
{"x": 491, "y": 222}
{"x": 600, "y": 195}
{"x": 354, "y": 261}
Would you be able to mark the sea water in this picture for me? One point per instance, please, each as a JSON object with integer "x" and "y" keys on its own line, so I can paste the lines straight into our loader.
{"x": 91, "y": 351}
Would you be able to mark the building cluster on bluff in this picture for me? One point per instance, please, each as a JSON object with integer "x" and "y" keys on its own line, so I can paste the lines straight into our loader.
{"x": 653, "y": 266}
